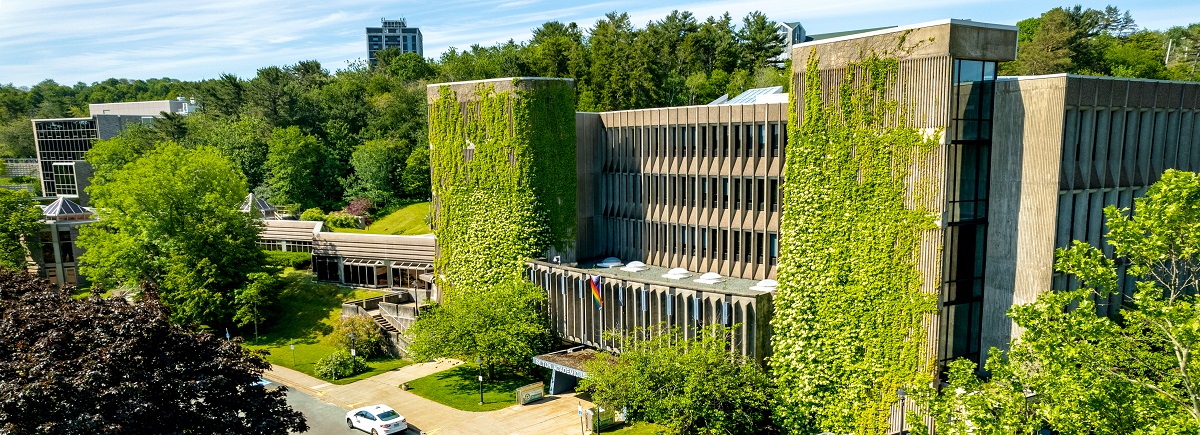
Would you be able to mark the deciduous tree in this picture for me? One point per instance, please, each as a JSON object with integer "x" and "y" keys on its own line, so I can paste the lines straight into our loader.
{"x": 107, "y": 366}
{"x": 170, "y": 219}
{"x": 1077, "y": 372}
{"x": 692, "y": 385}
{"x": 19, "y": 219}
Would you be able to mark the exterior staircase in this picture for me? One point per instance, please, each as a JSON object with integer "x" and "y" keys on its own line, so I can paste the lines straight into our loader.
{"x": 383, "y": 323}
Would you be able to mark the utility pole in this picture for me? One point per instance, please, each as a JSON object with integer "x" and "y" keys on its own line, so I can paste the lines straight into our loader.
{"x": 1167, "y": 60}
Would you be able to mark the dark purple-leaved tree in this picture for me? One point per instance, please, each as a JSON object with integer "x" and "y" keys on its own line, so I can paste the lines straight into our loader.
{"x": 109, "y": 366}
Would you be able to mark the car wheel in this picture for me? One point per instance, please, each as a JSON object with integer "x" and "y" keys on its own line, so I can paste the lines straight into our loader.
{"x": 349, "y": 424}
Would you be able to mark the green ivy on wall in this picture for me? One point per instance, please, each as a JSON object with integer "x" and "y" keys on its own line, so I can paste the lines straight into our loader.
{"x": 848, "y": 322}
{"x": 503, "y": 167}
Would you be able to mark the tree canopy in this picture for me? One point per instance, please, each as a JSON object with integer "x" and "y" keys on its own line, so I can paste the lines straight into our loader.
{"x": 691, "y": 386}
{"x": 1078, "y": 372}
{"x": 170, "y": 219}
{"x": 109, "y": 366}
{"x": 19, "y": 219}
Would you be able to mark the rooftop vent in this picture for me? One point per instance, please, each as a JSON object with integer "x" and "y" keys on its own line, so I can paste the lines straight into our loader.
{"x": 609, "y": 262}
{"x": 677, "y": 273}
{"x": 710, "y": 278}
{"x": 766, "y": 285}
{"x": 635, "y": 266}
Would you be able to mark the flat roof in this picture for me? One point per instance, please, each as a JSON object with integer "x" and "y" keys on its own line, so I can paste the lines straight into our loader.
{"x": 653, "y": 275}
{"x": 887, "y": 30}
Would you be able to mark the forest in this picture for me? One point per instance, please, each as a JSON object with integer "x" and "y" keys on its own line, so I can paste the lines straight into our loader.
{"x": 291, "y": 128}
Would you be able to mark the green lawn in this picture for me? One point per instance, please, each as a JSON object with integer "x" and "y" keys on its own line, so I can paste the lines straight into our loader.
{"x": 458, "y": 388}
{"x": 309, "y": 311}
{"x": 637, "y": 428}
{"x": 406, "y": 221}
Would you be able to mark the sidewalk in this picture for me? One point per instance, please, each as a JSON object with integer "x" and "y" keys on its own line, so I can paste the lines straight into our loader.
{"x": 554, "y": 415}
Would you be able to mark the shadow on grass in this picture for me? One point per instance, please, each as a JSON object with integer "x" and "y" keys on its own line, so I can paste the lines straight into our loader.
{"x": 304, "y": 305}
{"x": 464, "y": 380}
{"x": 459, "y": 388}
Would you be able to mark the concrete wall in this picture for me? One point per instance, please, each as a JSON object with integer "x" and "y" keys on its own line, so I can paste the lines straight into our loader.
{"x": 1025, "y": 160}
{"x": 1066, "y": 147}
{"x": 139, "y": 108}
{"x": 660, "y": 180}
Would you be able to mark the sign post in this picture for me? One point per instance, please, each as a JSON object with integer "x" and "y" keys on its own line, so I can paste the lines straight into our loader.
{"x": 293, "y": 355}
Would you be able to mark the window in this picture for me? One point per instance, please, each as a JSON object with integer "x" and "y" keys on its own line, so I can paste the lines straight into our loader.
{"x": 737, "y": 140}
{"x": 774, "y": 194}
{"x": 774, "y": 140}
{"x": 773, "y": 239}
{"x": 737, "y": 189}
{"x": 725, "y": 193}
{"x": 725, "y": 146}
{"x": 748, "y": 198}
{"x": 760, "y": 199}
{"x": 758, "y": 246}
{"x": 762, "y": 140}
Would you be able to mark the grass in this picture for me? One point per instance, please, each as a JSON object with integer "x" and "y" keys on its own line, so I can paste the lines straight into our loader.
{"x": 308, "y": 312}
{"x": 458, "y": 388}
{"x": 637, "y": 428}
{"x": 408, "y": 220}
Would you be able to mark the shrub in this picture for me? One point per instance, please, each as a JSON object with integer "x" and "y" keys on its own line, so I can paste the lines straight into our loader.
{"x": 368, "y": 341}
{"x": 295, "y": 260}
{"x": 339, "y": 219}
{"x": 312, "y": 214}
{"x": 359, "y": 207}
{"x": 339, "y": 365}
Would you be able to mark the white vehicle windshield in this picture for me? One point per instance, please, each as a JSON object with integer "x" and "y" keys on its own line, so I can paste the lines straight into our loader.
{"x": 388, "y": 415}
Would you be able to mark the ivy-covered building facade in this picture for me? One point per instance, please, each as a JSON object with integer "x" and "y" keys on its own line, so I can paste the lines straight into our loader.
{"x": 862, "y": 236}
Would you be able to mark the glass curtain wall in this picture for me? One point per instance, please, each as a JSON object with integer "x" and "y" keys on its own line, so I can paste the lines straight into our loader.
{"x": 967, "y": 212}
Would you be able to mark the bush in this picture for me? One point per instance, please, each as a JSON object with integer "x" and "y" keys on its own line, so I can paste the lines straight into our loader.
{"x": 368, "y": 341}
{"x": 295, "y": 260}
{"x": 359, "y": 207}
{"x": 312, "y": 214}
{"x": 339, "y": 219}
{"x": 340, "y": 365}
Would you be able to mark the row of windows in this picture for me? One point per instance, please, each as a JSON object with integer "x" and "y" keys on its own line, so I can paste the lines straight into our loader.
{"x": 71, "y": 125}
{"x": 86, "y": 133}
{"x": 285, "y": 245}
{"x": 737, "y": 193}
{"x": 701, "y": 241}
{"x": 65, "y": 245}
{"x": 724, "y": 140}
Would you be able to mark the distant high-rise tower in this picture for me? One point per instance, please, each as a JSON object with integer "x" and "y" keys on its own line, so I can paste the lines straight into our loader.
{"x": 394, "y": 33}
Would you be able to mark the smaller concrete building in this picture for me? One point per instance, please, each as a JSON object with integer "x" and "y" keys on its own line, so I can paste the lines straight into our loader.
{"x": 178, "y": 106}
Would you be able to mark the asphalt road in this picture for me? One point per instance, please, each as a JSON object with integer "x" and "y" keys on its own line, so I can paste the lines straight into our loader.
{"x": 322, "y": 417}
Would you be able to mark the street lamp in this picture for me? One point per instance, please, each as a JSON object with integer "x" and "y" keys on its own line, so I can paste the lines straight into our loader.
{"x": 479, "y": 363}
{"x": 900, "y": 393}
{"x": 351, "y": 335}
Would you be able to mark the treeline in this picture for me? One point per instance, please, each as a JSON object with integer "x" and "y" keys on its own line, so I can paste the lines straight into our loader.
{"x": 1104, "y": 42}
{"x": 318, "y": 120}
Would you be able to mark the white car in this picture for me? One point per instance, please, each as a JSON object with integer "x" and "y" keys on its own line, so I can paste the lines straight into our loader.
{"x": 376, "y": 420}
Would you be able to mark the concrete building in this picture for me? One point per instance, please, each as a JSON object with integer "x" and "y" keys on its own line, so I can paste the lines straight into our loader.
{"x": 178, "y": 106}
{"x": 399, "y": 263}
{"x": 394, "y": 34}
{"x": 678, "y": 208}
{"x": 61, "y": 144}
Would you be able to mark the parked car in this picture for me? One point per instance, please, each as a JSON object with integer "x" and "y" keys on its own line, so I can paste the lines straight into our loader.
{"x": 376, "y": 420}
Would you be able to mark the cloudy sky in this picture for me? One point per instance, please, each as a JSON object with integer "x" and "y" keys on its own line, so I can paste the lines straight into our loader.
{"x": 73, "y": 41}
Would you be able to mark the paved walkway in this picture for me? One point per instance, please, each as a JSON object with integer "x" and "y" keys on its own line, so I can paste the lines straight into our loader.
{"x": 554, "y": 415}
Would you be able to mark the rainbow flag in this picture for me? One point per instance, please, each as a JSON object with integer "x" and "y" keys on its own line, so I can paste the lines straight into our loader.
{"x": 595, "y": 284}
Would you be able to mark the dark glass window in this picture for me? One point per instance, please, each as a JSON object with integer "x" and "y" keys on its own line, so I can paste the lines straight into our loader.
{"x": 967, "y": 174}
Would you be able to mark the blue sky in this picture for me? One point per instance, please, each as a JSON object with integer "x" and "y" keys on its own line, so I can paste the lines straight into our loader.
{"x": 90, "y": 40}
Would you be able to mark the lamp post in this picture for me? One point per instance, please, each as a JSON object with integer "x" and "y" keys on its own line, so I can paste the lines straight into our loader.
{"x": 351, "y": 335}
{"x": 479, "y": 363}
{"x": 900, "y": 393}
